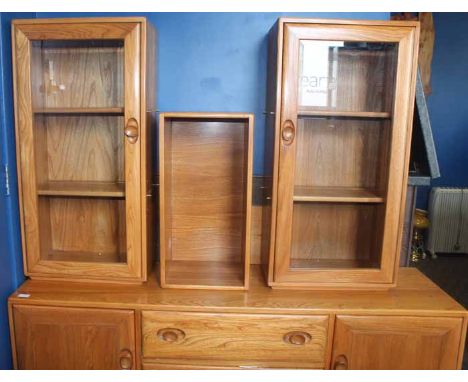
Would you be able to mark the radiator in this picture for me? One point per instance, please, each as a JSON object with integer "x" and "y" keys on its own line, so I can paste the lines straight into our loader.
{"x": 448, "y": 214}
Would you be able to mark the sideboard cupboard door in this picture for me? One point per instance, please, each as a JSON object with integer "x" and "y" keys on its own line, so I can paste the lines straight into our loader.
{"x": 73, "y": 338}
{"x": 347, "y": 94}
{"x": 383, "y": 342}
{"x": 81, "y": 146}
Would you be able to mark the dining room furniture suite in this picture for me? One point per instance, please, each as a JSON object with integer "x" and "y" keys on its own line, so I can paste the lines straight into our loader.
{"x": 141, "y": 244}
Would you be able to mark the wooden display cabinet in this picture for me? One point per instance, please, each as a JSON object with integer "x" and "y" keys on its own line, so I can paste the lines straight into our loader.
{"x": 342, "y": 94}
{"x": 205, "y": 183}
{"x": 84, "y": 97}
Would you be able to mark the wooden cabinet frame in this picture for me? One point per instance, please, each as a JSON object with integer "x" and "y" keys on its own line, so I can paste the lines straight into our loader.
{"x": 139, "y": 106}
{"x": 205, "y": 197}
{"x": 282, "y": 95}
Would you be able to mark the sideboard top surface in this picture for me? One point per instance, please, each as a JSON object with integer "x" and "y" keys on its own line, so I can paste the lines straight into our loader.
{"x": 415, "y": 294}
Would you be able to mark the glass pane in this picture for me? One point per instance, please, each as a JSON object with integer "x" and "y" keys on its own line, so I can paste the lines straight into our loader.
{"x": 342, "y": 138}
{"x": 336, "y": 235}
{"x": 346, "y": 76}
{"x": 78, "y": 74}
{"x": 340, "y": 181}
{"x": 342, "y": 153}
{"x": 78, "y": 110}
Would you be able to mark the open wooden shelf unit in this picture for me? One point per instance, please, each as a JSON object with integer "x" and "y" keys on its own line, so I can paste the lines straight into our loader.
{"x": 205, "y": 177}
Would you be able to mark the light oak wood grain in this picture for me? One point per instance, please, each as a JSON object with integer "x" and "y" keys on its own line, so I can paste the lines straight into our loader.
{"x": 82, "y": 188}
{"x": 80, "y": 148}
{"x": 341, "y": 153}
{"x": 73, "y": 338}
{"x": 340, "y": 113}
{"x": 359, "y": 140}
{"x": 87, "y": 225}
{"x": 192, "y": 274}
{"x": 403, "y": 343}
{"x": 77, "y": 84}
{"x": 258, "y": 340}
{"x": 148, "y": 134}
{"x": 178, "y": 366}
{"x": 133, "y": 159}
{"x": 205, "y": 197}
{"x": 272, "y": 143}
{"x": 80, "y": 110}
{"x": 77, "y": 29}
{"x": 191, "y": 324}
{"x": 335, "y": 194}
{"x": 333, "y": 232}
{"x": 78, "y": 74}
{"x": 414, "y": 295}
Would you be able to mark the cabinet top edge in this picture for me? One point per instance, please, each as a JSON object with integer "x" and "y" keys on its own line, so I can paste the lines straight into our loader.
{"x": 71, "y": 20}
{"x": 206, "y": 115}
{"x": 414, "y": 294}
{"x": 387, "y": 23}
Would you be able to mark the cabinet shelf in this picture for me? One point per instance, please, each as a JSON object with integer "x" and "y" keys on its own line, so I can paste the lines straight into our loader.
{"x": 86, "y": 257}
{"x": 80, "y": 110}
{"x": 204, "y": 274}
{"x": 82, "y": 188}
{"x": 325, "y": 263}
{"x": 345, "y": 114}
{"x": 336, "y": 195}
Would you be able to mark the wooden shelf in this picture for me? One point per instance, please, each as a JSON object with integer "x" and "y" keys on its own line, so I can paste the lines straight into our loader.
{"x": 86, "y": 257}
{"x": 82, "y": 188}
{"x": 349, "y": 114}
{"x": 335, "y": 195}
{"x": 332, "y": 263}
{"x": 80, "y": 110}
{"x": 204, "y": 274}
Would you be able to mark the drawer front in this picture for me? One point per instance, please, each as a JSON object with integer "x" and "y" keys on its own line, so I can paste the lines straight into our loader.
{"x": 177, "y": 366}
{"x": 249, "y": 340}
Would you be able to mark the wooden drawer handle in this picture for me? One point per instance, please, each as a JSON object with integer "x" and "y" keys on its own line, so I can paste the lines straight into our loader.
{"x": 288, "y": 132}
{"x": 171, "y": 335}
{"x": 131, "y": 130}
{"x": 341, "y": 363}
{"x": 297, "y": 338}
{"x": 126, "y": 359}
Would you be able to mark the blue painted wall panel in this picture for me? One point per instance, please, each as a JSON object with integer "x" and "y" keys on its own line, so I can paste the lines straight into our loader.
{"x": 447, "y": 104}
{"x": 11, "y": 269}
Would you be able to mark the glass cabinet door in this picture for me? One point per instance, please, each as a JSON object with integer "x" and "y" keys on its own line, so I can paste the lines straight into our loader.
{"x": 79, "y": 112}
{"x": 341, "y": 139}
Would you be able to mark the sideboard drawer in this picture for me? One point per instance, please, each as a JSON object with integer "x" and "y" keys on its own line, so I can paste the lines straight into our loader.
{"x": 177, "y": 366}
{"x": 257, "y": 340}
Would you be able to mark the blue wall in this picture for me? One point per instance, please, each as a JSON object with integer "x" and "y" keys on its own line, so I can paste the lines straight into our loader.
{"x": 11, "y": 270}
{"x": 448, "y": 105}
{"x": 207, "y": 62}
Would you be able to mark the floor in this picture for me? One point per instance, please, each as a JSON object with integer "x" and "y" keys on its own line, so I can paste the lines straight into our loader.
{"x": 450, "y": 272}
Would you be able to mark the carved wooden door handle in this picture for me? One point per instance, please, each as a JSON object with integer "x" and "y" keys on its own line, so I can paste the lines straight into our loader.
{"x": 288, "y": 132}
{"x": 126, "y": 359}
{"x": 171, "y": 335}
{"x": 297, "y": 338}
{"x": 131, "y": 130}
{"x": 341, "y": 363}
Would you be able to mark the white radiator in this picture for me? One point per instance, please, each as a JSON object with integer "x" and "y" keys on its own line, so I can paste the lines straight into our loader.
{"x": 448, "y": 214}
